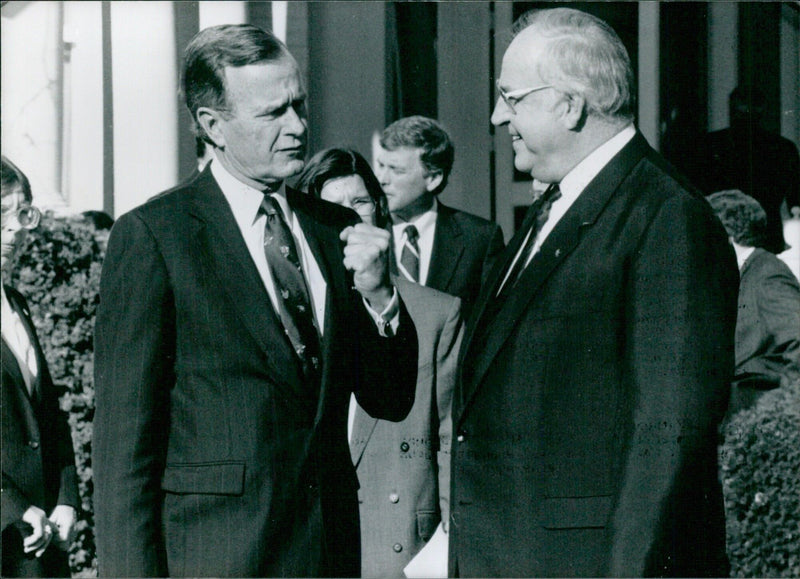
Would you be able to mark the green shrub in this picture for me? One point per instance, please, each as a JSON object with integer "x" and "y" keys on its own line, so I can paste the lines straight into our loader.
{"x": 58, "y": 272}
{"x": 760, "y": 462}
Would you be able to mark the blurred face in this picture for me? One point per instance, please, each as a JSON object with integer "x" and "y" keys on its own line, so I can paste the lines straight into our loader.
{"x": 13, "y": 232}
{"x": 262, "y": 140}
{"x": 537, "y": 135}
{"x": 407, "y": 183}
{"x": 350, "y": 192}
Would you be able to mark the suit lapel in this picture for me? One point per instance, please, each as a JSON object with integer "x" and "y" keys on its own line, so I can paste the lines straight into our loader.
{"x": 363, "y": 427}
{"x": 487, "y": 336}
{"x": 41, "y": 363}
{"x": 447, "y": 249}
{"x": 228, "y": 259}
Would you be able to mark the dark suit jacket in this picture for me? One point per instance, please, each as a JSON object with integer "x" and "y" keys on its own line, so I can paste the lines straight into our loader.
{"x": 768, "y": 327}
{"x": 465, "y": 248}
{"x": 209, "y": 458}
{"x": 404, "y": 468}
{"x": 38, "y": 459}
{"x": 587, "y": 410}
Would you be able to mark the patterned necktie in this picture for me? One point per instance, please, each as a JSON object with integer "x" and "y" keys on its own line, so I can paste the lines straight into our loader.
{"x": 541, "y": 207}
{"x": 294, "y": 304}
{"x": 409, "y": 260}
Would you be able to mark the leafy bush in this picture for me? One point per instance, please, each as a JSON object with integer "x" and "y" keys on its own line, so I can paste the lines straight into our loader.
{"x": 760, "y": 462}
{"x": 58, "y": 272}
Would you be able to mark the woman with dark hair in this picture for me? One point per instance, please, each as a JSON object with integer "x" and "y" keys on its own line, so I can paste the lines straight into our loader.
{"x": 40, "y": 485}
{"x": 408, "y": 462}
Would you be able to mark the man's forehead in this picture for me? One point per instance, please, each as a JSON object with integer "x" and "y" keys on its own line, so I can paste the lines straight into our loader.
{"x": 520, "y": 59}
{"x": 408, "y": 154}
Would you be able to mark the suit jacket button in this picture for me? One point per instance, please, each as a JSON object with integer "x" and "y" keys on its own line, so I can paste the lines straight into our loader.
{"x": 397, "y": 547}
{"x": 394, "y": 497}
{"x": 404, "y": 447}
{"x": 460, "y": 438}
{"x": 34, "y": 444}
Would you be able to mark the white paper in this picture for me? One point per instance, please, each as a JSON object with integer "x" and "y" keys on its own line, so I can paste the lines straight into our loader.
{"x": 431, "y": 561}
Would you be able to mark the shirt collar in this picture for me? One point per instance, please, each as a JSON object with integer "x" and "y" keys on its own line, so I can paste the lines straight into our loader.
{"x": 582, "y": 174}
{"x": 422, "y": 222}
{"x": 245, "y": 200}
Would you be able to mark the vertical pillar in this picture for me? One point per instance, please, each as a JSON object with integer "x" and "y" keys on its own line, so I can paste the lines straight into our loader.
{"x": 790, "y": 73}
{"x": 145, "y": 109}
{"x": 648, "y": 74}
{"x": 723, "y": 43}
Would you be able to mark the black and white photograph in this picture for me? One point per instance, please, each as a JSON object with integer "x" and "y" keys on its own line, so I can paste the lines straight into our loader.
{"x": 423, "y": 289}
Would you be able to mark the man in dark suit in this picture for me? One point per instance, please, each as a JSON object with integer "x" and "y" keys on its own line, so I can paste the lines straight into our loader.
{"x": 39, "y": 485}
{"x": 768, "y": 322}
{"x": 595, "y": 370}
{"x": 445, "y": 249}
{"x": 228, "y": 340}
{"x": 749, "y": 158}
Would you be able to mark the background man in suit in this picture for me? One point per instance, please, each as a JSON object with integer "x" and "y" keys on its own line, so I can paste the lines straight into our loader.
{"x": 404, "y": 467}
{"x": 749, "y": 158}
{"x": 446, "y": 249}
{"x": 595, "y": 370}
{"x": 229, "y": 339}
{"x": 40, "y": 485}
{"x": 768, "y": 322}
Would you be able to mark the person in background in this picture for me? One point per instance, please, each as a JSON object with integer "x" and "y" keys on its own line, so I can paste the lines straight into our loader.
{"x": 40, "y": 484}
{"x": 749, "y": 158}
{"x": 236, "y": 317}
{"x": 403, "y": 468}
{"x": 435, "y": 245}
{"x": 595, "y": 370}
{"x": 768, "y": 322}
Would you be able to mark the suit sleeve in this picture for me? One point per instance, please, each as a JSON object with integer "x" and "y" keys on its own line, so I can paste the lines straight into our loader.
{"x": 678, "y": 347}
{"x": 134, "y": 355}
{"x": 778, "y": 298}
{"x": 493, "y": 251}
{"x": 446, "y": 370}
{"x": 386, "y": 367}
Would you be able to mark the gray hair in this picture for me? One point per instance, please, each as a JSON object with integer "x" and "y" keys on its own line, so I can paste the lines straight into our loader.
{"x": 584, "y": 57}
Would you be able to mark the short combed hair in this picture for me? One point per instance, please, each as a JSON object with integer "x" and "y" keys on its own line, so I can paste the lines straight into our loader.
{"x": 337, "y": 163}
{"x": 210, "y": 52}
{"x": 584, "y": 56}
{"x": 12, "y": 178}
{"x": 427, "y": 134}
{"x": 742, "y": 216}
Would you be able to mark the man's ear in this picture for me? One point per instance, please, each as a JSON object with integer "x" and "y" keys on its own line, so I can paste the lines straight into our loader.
{"x": 433, "y": 180}
{"x": 209, "y": 119}
{"x": 574, "y": 112}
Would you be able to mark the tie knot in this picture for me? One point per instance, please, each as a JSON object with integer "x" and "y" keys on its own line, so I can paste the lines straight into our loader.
{"x": 271, "y": 207}
{"x": 551, "y": 194}
{"x": 411, "y": 233}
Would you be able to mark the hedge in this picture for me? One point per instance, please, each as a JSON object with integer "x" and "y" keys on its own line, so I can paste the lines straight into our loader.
{"x": 59, "y": 273}
{"x": 760, "y": 471}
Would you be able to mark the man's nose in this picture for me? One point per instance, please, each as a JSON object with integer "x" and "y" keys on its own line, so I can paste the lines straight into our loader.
{"x": 501, "y": 113}
{"x": 295, "y": 122}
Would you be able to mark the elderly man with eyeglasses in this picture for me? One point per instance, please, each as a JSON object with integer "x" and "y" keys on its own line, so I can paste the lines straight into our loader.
{"x": 594, "y": 372}
{"x": 40, "y": 486}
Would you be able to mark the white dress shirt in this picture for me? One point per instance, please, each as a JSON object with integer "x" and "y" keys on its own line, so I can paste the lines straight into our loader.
{"x": 572, "y": 185}
{"x": 426, "y": 227}
{"x": 245, "y": 203}
{"x": 18, "y": 340}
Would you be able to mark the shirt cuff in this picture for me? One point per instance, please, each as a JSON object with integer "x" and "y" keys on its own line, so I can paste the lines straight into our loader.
{"x": 388, "y": 320}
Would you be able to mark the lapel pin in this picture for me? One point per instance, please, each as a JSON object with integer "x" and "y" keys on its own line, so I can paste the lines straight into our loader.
{"x": 558, "y": 252}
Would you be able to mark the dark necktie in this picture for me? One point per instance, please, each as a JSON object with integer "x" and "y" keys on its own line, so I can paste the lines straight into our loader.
{"x": 409, "y": 260}
{"x": 541, "y": 208}
{"x": 294, "y": 304}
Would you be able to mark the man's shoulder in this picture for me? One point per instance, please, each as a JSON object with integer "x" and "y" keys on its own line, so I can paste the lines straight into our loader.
{"x": 468, "y": 222}
{"x": 766, "y": 264}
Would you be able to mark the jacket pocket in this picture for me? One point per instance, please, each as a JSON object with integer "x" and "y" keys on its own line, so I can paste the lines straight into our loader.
{"x": 427, "y": 521}
{"x": 576, "y": 512}
{"x": 214, "y": 478}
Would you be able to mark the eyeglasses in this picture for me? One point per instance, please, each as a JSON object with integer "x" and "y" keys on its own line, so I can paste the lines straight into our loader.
{"x": 513, "y": 97}
{"x": 27, "y": 216}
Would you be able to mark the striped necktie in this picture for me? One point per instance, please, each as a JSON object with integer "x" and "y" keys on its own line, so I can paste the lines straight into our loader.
{"x": 409, "y": 260}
